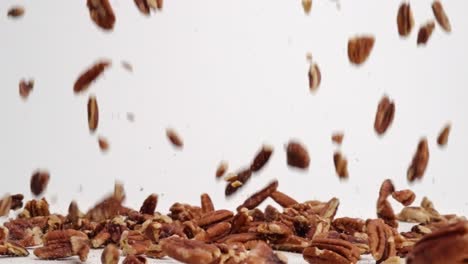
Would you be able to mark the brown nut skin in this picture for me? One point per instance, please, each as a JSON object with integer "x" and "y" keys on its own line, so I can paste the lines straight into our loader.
{"x": 359, "y": 48}
{"x": 441, "y": 16}
{"x": 297, "y": 155}
{"x": 315, "y": 77}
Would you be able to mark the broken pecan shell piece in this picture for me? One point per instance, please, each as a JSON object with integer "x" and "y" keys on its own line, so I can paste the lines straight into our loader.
{"x": 405, "y": 20}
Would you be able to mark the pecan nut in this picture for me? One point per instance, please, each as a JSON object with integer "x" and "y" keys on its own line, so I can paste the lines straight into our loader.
{"x": 132, "y": 259}
{"x": 93, "y": 113}
{"x": 405, "y": 20}
{"x": 101, "y": 13}
{"x": 307, "y": 6}
{"x": 425, "y": 32}
{"x": 263, "y": 254}
{"x": 214, "y": 217}
{"x": 221, "y": 169}
{"x": 297, "y": 155}
{"x": 261, "y": 158}
{"x": 315, "y": 77}
{"x": 174, "y": 138}
{"x": 359, "y": 48}
{"x": 442, "y": 139}
{"x": 384, "y": 116}
{"x": 405, "y": 197}
{"x": 16, "y": 11}
{"x": 331, "y": 251}
{"x": 241, "y": 177}
{"x": 12, "y": 249}
{"x": 260, "y": 196}
{"x": 337, "y": 138}
{"x": 441, "y": 16}
{"x": 149, "y": 205}
{"x": 419, "y": 163}
{"x": 206, "y": 203}
{"x": 381, "y": 240}
{"x": 384, "y": 208}
{"x": 35, "y": 208}
{"x": 5, "y": 205}
{"x": 190, "y": 251}
{"x": 283, "y": 199}
{"x": 39, "y": 182}
{"x": 91, "y": 74}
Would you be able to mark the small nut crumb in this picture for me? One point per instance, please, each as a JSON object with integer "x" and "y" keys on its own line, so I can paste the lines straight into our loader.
{"x": 442, "y": 139}
{"x": 127, "y": 66}
{"x": 315, "y": 77}
{"x": 174, "y": 138}
{"x": 236, "y": 184}
{"x": 39, "y": 181}
{"x": 222, "y": 168}
{"x": 25, "y": 88}
{"x": 93, "y": 113}
{"x": 297, "y": 155}
{"x": 341, "y": 165}
{"x": 16, "y": 12}
{"x": 103, "y": 144}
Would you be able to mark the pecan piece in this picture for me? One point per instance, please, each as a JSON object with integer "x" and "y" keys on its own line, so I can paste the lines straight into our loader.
{"x": 307, "y": 6}
{"x": 405, "y": 20}
{"x": 190, "y": 251}
{"x": 260, "y": 196}
{"x": 425, "y": 32}
{"x": 271, "y": 214}
{"x": 16, "y": 201}
{"x": 149, "y": 205}
{"x": 441, "y": 16}
{"x": 405, "y": 197}
{"x": 39, "y": 182}
{"x": 315, "y": 77}
{"x": 292, "y": 244}
{"x": 5, "y": 205}
{"x": 214, "y": 217}
{"x": 134, "y": 243}
{"x": 419, "y": 163}
{"x": 206, "y": 203}
{"x": 237, "y": 181}
{"x": 359, "y": 48}
{"x": 384, "y": 116}
{"x": 103, "y": 144}
{"x": 263, "y": 254}
{"x": 349, "y": 225}
{"x": 174, "y": 138}
{"x": 297, "y": 155}
{"x": 331, "y": 251}
{"x": 337, "y": 137}
{"x": 261, "y": 158}
{"x": 222, "y": 168}
{"x": 35, "y": 208}
{"x": 16, "y": 11}
{"x": 282, "y": 199}
{"x": 91, "y": 74}
{"x": 93, "y": 114}
{"x": 101, "y": 13}
{"x": 442, "y": 139}
{"x": 384, "y": 208}
{"x": 25, "y": 88}
{"x": 13, "y": 250}
{"x": 217, "y": 231}
{"x": 381, "y": 240}
{"x": 132, "y": 259}
{"x": 3, "y": 234}
{"x": 341, "y": 165}
{"x": 446, "y": 245}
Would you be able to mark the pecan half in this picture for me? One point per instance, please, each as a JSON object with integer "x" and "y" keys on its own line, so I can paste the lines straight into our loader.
{"x": 381, "y": 240}
{"x": 174, "y": 138}
{"x": 260, "y": 196}
{"x": 39, "y": 182}
{"x": 13, "y": 250}
{"x": 349, "y": 225}
{"x": 16, "y": 11}
{"x": 107, "y": 209}
{"x": 93, "y": 114}
{"x": 134, "y": 243}
{"x": 292, "y": 244}
{"x": 337, "y": 137}
{"x": 315, "y": 77}
{"x": 214, "y": 217}
{"x": 307, "y": 6}
{"x": 132, "y": 259}
{"x": 297, "y": 155}
{"x": 419, "y": 163}
{"x": 206, "y": 203}
{"x": 261, "y": 158}
{"x": 359, "y": 48}
{"x": 25, "y": 88}
{"x": 35, "y": 208}
{"x": 63, "y": 244}
{"x": 384, "y": 116}
{"x": 217, "y": 231}
{"x": 384, "y": 208}
{"x": 149, "y": 205}
{"x": 341, "y": 165}
{"x": 241, "y": 177}
{"x": 425, "y": 32}
{"x": 405, "y": 20}
{"x": 331, "y": 251}
{"x": 405, "y": 197}
{"x": 442, "y": 139}
{"x": 190, "y": 251}
{"x": 263, "y": 254}
{"x": 282, "y": 199}
{"x": 5, "y": 205}
{"x": 447, "y": 245}
{"x": 91, "y": 74}
{"x": 101, "y": 13}
{"x": 441, "y": 16}
{"x": 222, "y": 168}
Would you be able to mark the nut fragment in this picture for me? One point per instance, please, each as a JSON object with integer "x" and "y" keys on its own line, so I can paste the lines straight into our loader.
{"x": 222, "y": 168}
{"x": 384, "y": 116}
{"x": 16, "y": 12}
{"x": 441, "y": 16}
{"x": 174, "y": 138}
{"x": 263, "y": 254}
{"x": 307, "y": 6}
{"x": 260, "y": 196}
{"x": 337, "y": 138}
{"x": 405, "y": 20}
{"x": 384, "y": 208}
{"x": 442, "y": 139}
{"x": 149, "y": 205}
{"x": 331, "y": 251}
{"x": 237, "y": 181}
{"x": 359, "y": 48}
{"x": 297, "y": 155}
{"x": 261, "y": 158}
{"x": 39, "y": 182}
{"x": 315, "y": 77}
{"x": 93, "y": 114}
{"x": 425, "y": 32}
{"x": 12, "y": 249}
{"x": 103, "y": 144}
{"x": 91, "y": 74}
{"x": 419, "y": 163}
{"x": 405, "y": 197}
{"x": 101, "y": 13}
{"x": 25, "y": 88}
{"x": 341, "y": 165}
{"x": 206, "y": 203}
{"x": 110, "y": 255}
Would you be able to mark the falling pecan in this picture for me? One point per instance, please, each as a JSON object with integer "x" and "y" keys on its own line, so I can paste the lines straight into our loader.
{"x": 261, "y": 158}
{"x": 315, "y": 77}
{"x": 93, "y": 114}
{"x": 149, "y": 205}
{"x": 405, "y": 20}
{"x": 419, "y": 163}
{"x": 206, "y": 203}
{"x": 242, "y": 177}
{"x": 174, "y": 138}
{"x": 414, "y": 215}
{"x": 381, "y": 240}
{"x": 39, "y": 181}
{"x": 190, "y": 251}
{"x": 143, "y": 6}
{"x": 260, "y": 196}
{"x": 384, "y": 115}
{"x": 442, "y": 139}
{"x": 132, "y": 259}
{"x": 341, "y": 165}
{"x": 441, "y": 16}
{"x": 16, "y": 11}
{"x": 384, "y": 208}
{"x": 101, "y": 13}
{"x": 446, "y": 245}
{"x": 12, "y": 249}
{"x": 359, "y": 48}
{"x": 5, "y": 205}
{"x": 103, "y": 144}
{"x": 91, "y": 74}
{"x": 331, "y": 251}
{"x": 16, "y": 201}
{"x": 297, "y": 155}
{"x": 405, "y": 197}
{"x": 282, "y": 199}
{"x": 222, "y": 168}
{"x": 110, "y": 255}
{"x": 25, "y": 88}
{"x": 337, "y": 138}
{"x": 425, "y": 32}
{"x": 307, "y": 6}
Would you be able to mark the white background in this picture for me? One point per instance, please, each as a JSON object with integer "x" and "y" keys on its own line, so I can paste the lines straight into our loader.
{"x": 230, "y": 76}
